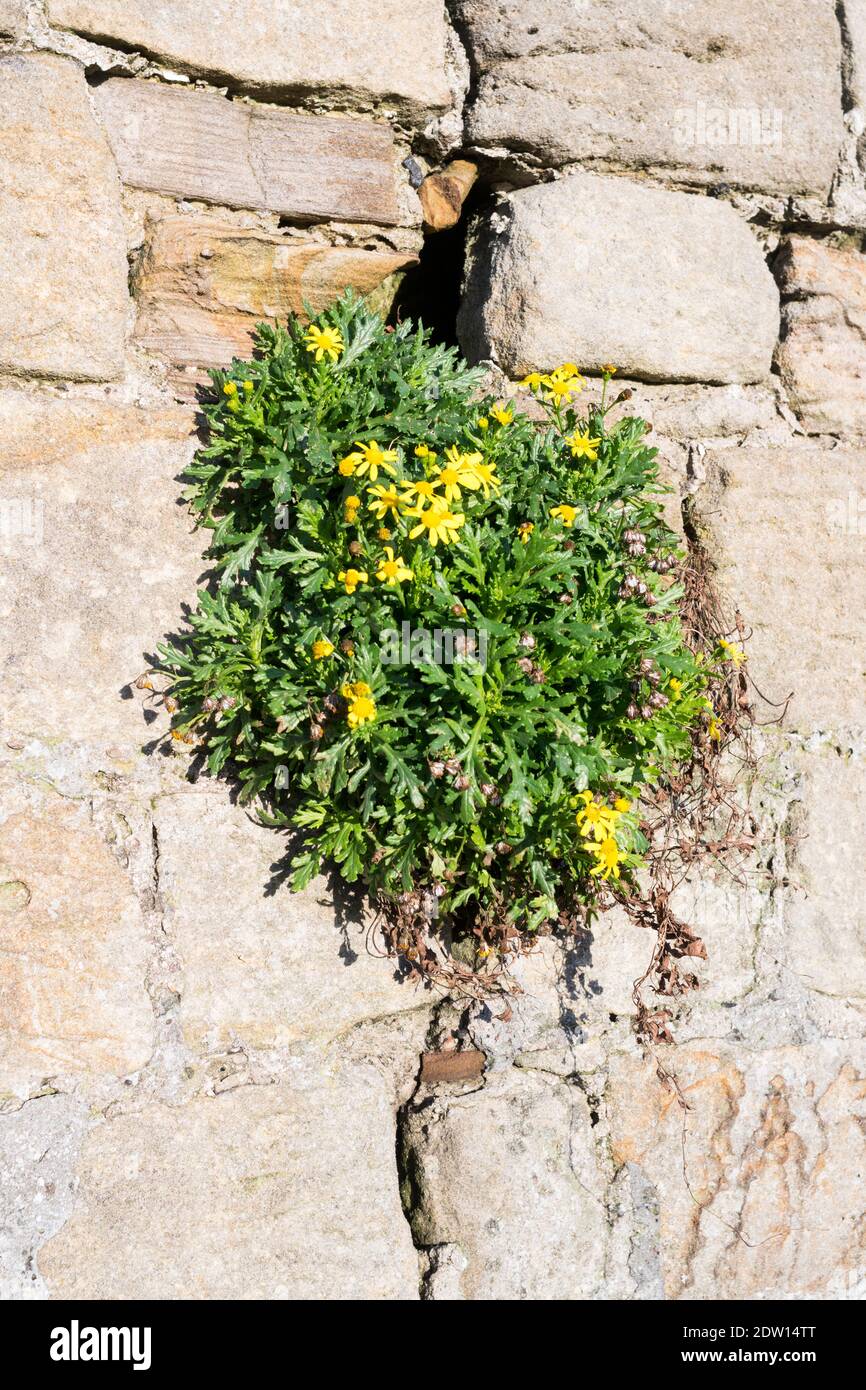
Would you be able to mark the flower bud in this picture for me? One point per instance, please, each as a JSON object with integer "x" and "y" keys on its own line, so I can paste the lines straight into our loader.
{"x": 437, "y": 768}
{"x": 527, "y": 641}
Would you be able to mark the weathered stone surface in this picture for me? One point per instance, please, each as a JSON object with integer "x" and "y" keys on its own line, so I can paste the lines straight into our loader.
{"x": 13, "y": 18}
{"x": 676, "y": 289}
{"x": 822, "y": 355}
{"x": 73, "y": 950}
{"x": 38, "y": 1148}
{"x": 443, "y": 194}
{"x": 758, "y": 1185}
{"x": 394, "y": 53}
{"x": 197, "y": 145}
{"x": 263, "y": 970}
{"x": 853, "y": 15}
{"x": 62, "y": 245}
{"x": 698, "y": 91}
{"x": 99, "y": 557}
{"x": 825, "y": 905}
{"x": 286, "y": 1192}
{"x": 508, "y": 1174}
{"x": 202, "y": 286}
{"x": 784, "y": 528}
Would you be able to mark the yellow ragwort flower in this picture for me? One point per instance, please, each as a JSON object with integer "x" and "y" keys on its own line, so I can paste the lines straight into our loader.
{"x": 533, "y": 380}
{"x": 362, "y": 710}
{"x": 423, "y": 451}
{"x": 372, "y": 457}
{"x": 609, "y": 369}
{"x": 607, "y": 857}
{"x": 322, "y": 648}
{"x": 675, "y": 686}
{"x": 583, "y": 446}
{"x": 417, "y": 492}
{"x": 439, "y": 523}
{"x": 230, "y": 389}
{"x": 525, "y": 530}
{"x": 383, "y": 534}
{"x": 594, "y": 819}
{"x": 564, "y": 382}
{"x": 351, "y": 578}
{"x": 731, "y": 653}
{"x": 352, "y": 689}
{"x": 483, "y": 422}
{"x": 565, "y": 514}
{"x": 502, "y": 414}
{"x": 391, "y": 570}
{"x": 324, "y": 342}
{"x": 385, "y": 500}
{"x": 248, "y": 387}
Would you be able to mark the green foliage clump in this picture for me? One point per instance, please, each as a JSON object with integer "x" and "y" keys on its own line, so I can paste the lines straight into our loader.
{"x": 365, "y": 496}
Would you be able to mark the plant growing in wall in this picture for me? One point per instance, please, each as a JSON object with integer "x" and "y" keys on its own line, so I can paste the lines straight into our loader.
{"x": 451, "y": 647}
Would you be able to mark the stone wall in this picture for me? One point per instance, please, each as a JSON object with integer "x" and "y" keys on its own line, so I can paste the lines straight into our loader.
{"x": 210, "y": 1088}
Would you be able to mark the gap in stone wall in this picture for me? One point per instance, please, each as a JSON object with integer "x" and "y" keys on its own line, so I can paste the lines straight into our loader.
{"x": 432, "y": 289}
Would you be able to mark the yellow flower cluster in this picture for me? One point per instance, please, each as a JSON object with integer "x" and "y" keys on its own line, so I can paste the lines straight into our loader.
{"x": 560, "y": 384}
{"x": 731, "y": 653}
{"x": 597, "y": 822}
{"x": 321, "y": 649}
{"x": 362, "y": 707}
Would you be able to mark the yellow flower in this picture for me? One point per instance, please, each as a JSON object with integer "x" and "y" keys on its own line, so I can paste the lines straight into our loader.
{"x": 609, "y": 369}
{"x": 370, "y": 458}
{"x": 714, "y": 729}
{"x": 565, "y": 514}
{"x": 622, "y": 804}
{"x": 533, "y": 380}
{"x": 564, "y": 382}
{"x": 351, "y": 690}
{"x": 233, "y": 404}
{"x": 351, "y": 505}
{"x": 362, "y": 710}
{"x": 385, "y": 500}
{"x": 675, "y": 686}
{"x": 322, "y": 648}
{"x": 423, "y": 451}
{"x": 348, "y": 465}
{"x": 230, "y": 389}
{"x": 478, "y": 474}
{"x": 383, "y": 534}
{"x": 594, "y": 819}
{"x": 324, "y": 342}
{"x": 525, "y": 530}
{"x": 483, "y": 422}
{"x": 392, "y": 571}
{"x": 502, "y": 414}
{"x": 352, "y": 578}
{"x": 582, "y": 446}
{"x": 735, "y": 655}
{"x": 416, "y": 491}
{"x": 439, "y": 522}
{"x": 607, "y": 856}
{"x": 456, "y": 473}
{"x": 248, "y": 387}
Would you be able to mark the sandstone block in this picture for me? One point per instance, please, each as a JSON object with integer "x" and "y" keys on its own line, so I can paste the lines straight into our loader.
{"x": 675, "y": 290}
{"x": 260, "y": 964}
{"x": 267, "y": 1192}
{"x": 197, "y": 145}
{"x": 98, "y": 554}
{"x": 825, "y": 906}
{"x": 202, "y": 286}
{"x": 392, "y": 53}
{"x": 13, "y": 18}
{"x": 785, "y": 529}
{"x": 62, "y": 244}
{"x": 756, "y": 1185}
{"x": 508, "y": 1174}
{"x": 698, "y": 92}
{"x": 822, "y": 355}
{"x": 73, "y": 951}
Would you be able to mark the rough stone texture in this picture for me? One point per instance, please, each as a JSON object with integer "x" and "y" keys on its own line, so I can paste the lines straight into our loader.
{"x": 38, "y": 1150}
{"x": 73, "y": 950}
{"x": 62, "y": 248}
{"x": 99, "y": 556}
{"x": 13, "y": 18}
{"x": 508, "y": 1174}
{"x": 202, "y": 286}
{"x": 825, "y": 909}
{"x": 758, "y": 1186}
{"x": 822, "y": 355}
{"x": 676, "y": 289}
{"x": 700, "y": 92}
{"x": 277, "y": 1192}
{"x": 787, "y": 542}
{"x": 853, "y": 13}
{"x": 262, "y": 971}
{"x": 197, "y": 145}
{"x": 394, "y": 53}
